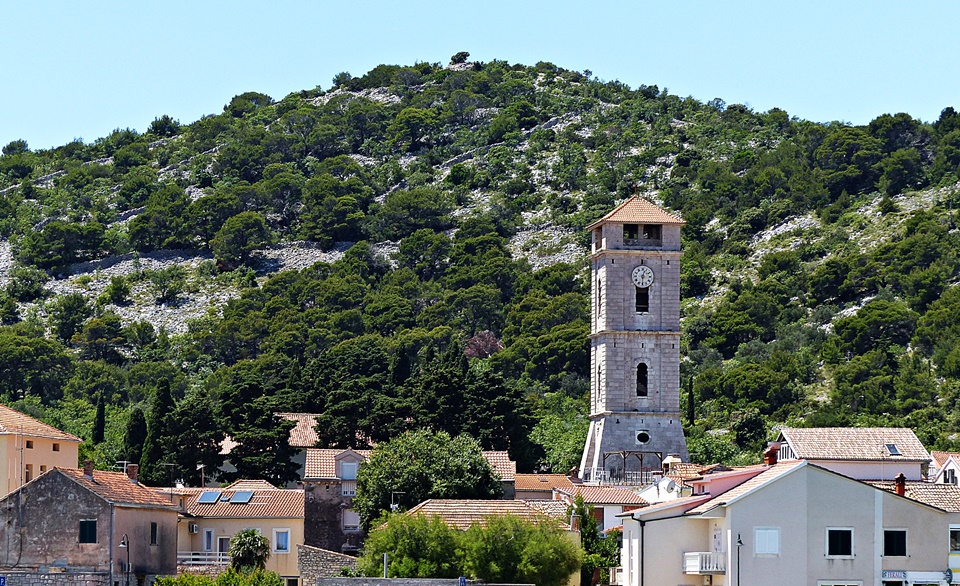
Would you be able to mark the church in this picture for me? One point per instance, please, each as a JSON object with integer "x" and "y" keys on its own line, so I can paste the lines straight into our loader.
{"x": 634, "y": 345}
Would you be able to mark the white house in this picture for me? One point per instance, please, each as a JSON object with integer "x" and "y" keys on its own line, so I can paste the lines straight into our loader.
{"x": 944, "y": 467}
{"x": 864, "y": 453}
{"x": 797, "y": 523}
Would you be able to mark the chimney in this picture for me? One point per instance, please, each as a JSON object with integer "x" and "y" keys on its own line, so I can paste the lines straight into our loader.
{"x": 88, "y": 469}
{"x": 574, "y": 522}
{"x": 574, "y": 474}
{"x": 133, "y": 470}
{"x": 770, "y": 454}
{"x": 900, "y": 483}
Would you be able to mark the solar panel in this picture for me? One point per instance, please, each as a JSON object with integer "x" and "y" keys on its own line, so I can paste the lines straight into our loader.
{"x": 209, "y": 497}
{"x": 242, "y": 496}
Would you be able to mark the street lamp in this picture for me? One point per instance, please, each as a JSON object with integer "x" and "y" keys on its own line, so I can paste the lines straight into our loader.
{"x": 125, "y": 544}
{"x": 739, "y": 545}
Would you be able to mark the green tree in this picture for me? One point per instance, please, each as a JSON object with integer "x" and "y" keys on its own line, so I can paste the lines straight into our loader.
{"x": 168, "y": 283}
{"x": 459, "y": 57}
{"x": 67, "y": 315}
{"x": 508, "y": 549}
{"x": 249, "y": 551}
{"x": 411, "y": 126}
{"x": 157, "y": 445}
{"x": 240, "y": 235}
{"x": 423, "y": 464}
{"x": 135, "y": 434}
{"x": 418, "y": 546}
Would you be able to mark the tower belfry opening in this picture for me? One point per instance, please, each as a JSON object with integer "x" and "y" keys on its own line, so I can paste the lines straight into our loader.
{"x": 635, "y": 341}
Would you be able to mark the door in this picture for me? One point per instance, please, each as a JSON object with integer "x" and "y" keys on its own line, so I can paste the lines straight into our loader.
{"x": 223, "y": 547}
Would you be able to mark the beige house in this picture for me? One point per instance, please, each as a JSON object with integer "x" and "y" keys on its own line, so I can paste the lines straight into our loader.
{"x": 29, "y": 447}
{"x": 211, "y": 517}
{"x": 797, "y": 523}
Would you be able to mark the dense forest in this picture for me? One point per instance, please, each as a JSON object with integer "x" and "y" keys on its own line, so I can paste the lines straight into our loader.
{"x": 819, "y": 275}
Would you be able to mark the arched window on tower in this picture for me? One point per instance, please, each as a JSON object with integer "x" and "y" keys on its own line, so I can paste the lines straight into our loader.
{"x": 643, "y": 299}
{"x": 641, "y": 380}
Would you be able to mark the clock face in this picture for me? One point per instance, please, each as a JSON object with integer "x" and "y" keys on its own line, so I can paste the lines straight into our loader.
{"x": 643, "y": 276}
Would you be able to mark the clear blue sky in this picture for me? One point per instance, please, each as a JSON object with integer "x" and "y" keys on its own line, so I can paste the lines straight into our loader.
{"x": 80, "y": 69}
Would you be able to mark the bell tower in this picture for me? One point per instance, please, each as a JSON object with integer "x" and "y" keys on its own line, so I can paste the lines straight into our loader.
{"x": 634, "y": 344}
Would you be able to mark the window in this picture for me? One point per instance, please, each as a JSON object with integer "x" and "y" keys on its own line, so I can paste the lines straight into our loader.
{"x": 154, "y": 530}
{"x": 348, "y": 471}
{"x": 839, "y": 542}
{"x": 351, "y": 520}
{"x": 291, "y": 582}
{"x": 643, "y": 299}
{"x": 28, "y": 473}
{"x": 281, "y": 541}
{"x": 894, "y": 542}
{"x": 641, "y": 380}
{"x": 88, "y": 531}
{"x": 631, "y": 232}
{"x": 955, "y": 539}
{"x": 208, "y": 540}
{"x": 29, "y": 444}
{"x": 950, "y": 476}
{"x": 43, "y": 468}
{"x": 766, "y": 541}
{"x": 56, "y": 447}
{"x": 893, "y": 450}
{"x": 651, "y": 232}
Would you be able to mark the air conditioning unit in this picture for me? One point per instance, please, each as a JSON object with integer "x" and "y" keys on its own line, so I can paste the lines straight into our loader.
{"x": 192, "y": 527}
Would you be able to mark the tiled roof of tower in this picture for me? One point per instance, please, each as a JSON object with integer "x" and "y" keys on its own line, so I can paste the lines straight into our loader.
{"x": 272, "y": 503}
{"x": 855, "y": 443}
{"x": 637, "y": 210}
{"x": 13, "y": 422}
{"x": 464, "y": 513}
{"x": 322, "y": 462}
{"x": 605, "y": 495}
{"x": 501, "y": 463}
{"x": 945, "y": 497}
{"x": 544, "y": 482}
{"x": 116, "y": 488}
{"x": 304, "y": 434}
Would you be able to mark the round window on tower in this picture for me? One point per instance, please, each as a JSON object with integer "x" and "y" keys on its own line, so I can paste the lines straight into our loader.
{"x": 643, "y": 437}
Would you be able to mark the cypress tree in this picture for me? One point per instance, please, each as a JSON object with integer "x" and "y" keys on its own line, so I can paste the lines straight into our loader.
{"x": 155, "y": 446}
{"x": 135, "y": 435}
{"x": 100, "y": 421}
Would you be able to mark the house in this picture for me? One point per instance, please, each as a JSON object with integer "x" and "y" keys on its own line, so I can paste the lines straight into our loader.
{"x": 944, "y": 467}
{"x": 865, "y": 453}
{"x": 607, "y": 502}
{"x": 302, "y": 437}
{"x": 532, "y": 487}
{"x": 678, "y": 481}
{"x": 85, "y": 521}
{"x": 29, "y": 447}
{"x": 800, "y": 522}
{"x": 211, "y": 517}
{"x": 330, "y": 483}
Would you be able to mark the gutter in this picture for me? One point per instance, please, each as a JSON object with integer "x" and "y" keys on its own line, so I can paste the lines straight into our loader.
{"x": 113, "y": 510}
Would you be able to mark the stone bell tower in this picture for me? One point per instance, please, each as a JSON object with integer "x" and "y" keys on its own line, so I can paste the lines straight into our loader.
{"x": 635, "y": 344}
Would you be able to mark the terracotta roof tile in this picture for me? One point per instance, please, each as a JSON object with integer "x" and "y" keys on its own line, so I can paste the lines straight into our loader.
{"x": 945, "y": 497}
{"x": 322, "y": 462}
{"x": 770, "y": 474}
{"x": 854, "y": 443}
{"x": 250, "y": 485}
{"x": 501, "y": 463}
{"x": 553, "y": 508}
{"x": 940, "y": 458}
{"x": 688, "y": 470}
{"x": 116, "y": 488}
{"x": 464, "y": 513}
{"x": 604, "y": 495}
{"x": 545, "y": 482}
{"x": 273, "y": 503}
{"x": 637, "y": 210}
{"x": 303, "y": 434}
{"x": 14, "y": 422}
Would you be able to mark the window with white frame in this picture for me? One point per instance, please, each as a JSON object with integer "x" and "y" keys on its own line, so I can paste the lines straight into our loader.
{"x": 839, "y": 542}
{"x": 351, "y": 520}
{"x": 281, "y": 541}
{"x": 843, "y": 583}
{"x": 208, "y": 540}
{"x": 766, "y": 541}
{"x": 348, "y": 471}
{"x": 955, "y": 539}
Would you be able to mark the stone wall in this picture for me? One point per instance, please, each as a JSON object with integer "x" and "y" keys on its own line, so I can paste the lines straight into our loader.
{"x": 398, "y": 582}
{"x": 315, "y": 563}
{"x": 55, "y": 578}
{"x": 322, "y": 518}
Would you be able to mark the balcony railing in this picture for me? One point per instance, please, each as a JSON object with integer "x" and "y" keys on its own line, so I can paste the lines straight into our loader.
{"x": 629, "y": 478}
{"x": 704, "y": 562}
{"x": 202, "y": 558}
{"x": 642, "y": 242}
{"x": 615, "y": 575}
{"x": 348, "y": 488}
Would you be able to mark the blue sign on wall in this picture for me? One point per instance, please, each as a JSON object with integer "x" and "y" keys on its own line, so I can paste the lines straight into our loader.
{"x": 3, "y": 581}
{"x": 463, "y": 582}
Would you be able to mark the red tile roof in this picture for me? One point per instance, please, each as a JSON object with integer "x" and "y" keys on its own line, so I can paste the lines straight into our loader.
{"x": 686, "y": 503}
{"x": 541, "y": 482}
{"x": 637, "y": 210}
{"x": 13, "y": 422}
{"x": 464, "y": 513}
{"x": 272, "y": 503}
{"x": 117, "y": 488}
{"x": 304, "y": 433}
{"x": 771, "y": 474}
{"x": 604, "y": 495}
{"x": 854, "y": 443}
{"x": 501, "y": 463}
{"x": 945, "y": 497}
{"x": 940, "y": 458}
{"x": 250, "y": 485}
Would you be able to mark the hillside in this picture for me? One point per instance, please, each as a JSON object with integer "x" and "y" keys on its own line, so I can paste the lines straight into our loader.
{"x": 407, "y": 249}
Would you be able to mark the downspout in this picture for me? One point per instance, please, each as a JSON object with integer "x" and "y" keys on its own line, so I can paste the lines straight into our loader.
{"x": 112, "y": 511}
{"x": 643, "y": 524}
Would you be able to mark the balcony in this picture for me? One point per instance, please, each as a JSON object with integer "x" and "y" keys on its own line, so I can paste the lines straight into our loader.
{"x": 202, "y": 558}
{"x": 627, "y": 478}
{"x": 704, "y": 562}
